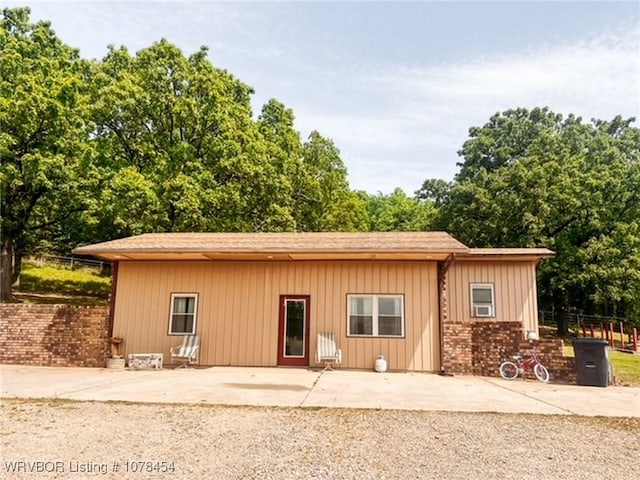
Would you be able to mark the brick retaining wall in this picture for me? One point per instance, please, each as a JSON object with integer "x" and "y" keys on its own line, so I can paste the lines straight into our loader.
{"x": 561, "y": 368}
{"x": 54, "y": 335}
{"x": 479, "y": 348}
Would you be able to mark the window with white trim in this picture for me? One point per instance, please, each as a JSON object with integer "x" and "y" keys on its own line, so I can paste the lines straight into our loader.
{"x": 182, "y": 319}
{"x": 482, "y": 300}
{"x": 375, "y": 315}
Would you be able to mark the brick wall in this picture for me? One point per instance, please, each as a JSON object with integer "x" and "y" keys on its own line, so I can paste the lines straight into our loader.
{"x": 493, "y": 343}
{"x": 457, "y": 348}
{"x": 561, "y": 369}
{"x": 54, "y": 335}
{"x": 480, "y": 347}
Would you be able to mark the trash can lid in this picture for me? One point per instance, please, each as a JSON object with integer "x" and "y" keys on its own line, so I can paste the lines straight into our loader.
{"x": 590, "y": 341}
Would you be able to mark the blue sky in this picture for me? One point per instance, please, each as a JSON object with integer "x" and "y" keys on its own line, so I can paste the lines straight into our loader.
{"x": 396, "y": 85}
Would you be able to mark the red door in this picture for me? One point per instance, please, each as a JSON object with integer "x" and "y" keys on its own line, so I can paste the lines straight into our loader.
{"x": 293, "y": 331}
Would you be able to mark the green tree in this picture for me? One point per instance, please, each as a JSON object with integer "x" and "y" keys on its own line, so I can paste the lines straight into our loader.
{"x": 398, "y": 212}
{"x": 162, "y": 115}
{"x": 537, "y": 179}
{"x": 434, "y": 190}
{"x": 276, "y": 165}
{"x": 181, "y": 131}
{"x": 323, "y": 200}
{"x": 45, "y": 168}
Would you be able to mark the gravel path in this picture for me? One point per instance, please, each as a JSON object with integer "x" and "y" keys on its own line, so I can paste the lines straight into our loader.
{"x": 92, "y": 440}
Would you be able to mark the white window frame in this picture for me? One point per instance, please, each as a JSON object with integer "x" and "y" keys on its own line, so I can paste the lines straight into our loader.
{"x": 171, "y": 312}
{"x": 491, "y": 305}
{"x": 375, "y": 315}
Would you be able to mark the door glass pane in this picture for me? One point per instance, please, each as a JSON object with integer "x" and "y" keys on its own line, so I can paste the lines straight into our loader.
{"x": 294, "y": 328}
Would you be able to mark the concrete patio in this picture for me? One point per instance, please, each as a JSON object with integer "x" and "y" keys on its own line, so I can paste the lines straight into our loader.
{"x": 291, "y": 387}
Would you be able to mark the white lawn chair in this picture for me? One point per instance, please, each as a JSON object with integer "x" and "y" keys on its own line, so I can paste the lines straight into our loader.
{"x": 327, "y": 350}
{"x": 187, "y": 353}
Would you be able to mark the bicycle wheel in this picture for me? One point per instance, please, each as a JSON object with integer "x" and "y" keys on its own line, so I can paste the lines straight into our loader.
{"x": 508, "y": 370}
{"x": 541, "y": 372}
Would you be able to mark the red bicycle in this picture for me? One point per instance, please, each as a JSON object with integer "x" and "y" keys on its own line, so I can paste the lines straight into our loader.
{"x": 510, "y": 370}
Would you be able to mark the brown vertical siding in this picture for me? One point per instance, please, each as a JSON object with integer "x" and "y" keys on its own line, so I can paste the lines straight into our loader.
{"x": 514, "y": 287}
{"x": 237, "y": 315}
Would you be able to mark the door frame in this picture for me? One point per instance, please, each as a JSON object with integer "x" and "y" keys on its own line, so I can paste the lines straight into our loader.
{"x": 288, "y": 361}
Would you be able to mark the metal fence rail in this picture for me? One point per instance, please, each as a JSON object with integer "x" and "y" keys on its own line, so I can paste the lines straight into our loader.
{"x": 618, "y": 331}
{"x": 578, "y": 319}
{"x": 73, "y": 263}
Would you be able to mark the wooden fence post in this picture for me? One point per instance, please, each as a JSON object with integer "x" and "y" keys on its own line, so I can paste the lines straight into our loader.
{"x": 612, "y": 343}
{"x": 635, "y": 340}
{"x": 621, "y": 335}
{"x": 591, "y": 328}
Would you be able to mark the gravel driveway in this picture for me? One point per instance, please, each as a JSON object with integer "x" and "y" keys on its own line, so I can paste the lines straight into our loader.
{"x": 118, "y": 440}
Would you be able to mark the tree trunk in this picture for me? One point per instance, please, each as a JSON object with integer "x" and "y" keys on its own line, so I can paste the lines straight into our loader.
{"x": 6, "y": 269}
{"x": 18, "y": 255}
{"x": 561, "y": 310}
{"x": 17, "y": 268}
{"x": 562, "y": 324}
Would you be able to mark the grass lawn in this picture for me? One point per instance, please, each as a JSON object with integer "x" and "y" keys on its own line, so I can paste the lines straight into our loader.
{"x": 626, "y": 366}
{"x": 49, "y": 284}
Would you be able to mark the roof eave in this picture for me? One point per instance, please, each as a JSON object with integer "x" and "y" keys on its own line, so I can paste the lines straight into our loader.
{"x": 268, "y": 254}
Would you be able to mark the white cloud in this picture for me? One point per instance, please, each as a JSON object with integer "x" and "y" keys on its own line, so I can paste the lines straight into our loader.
{"x": 429, "y": 108}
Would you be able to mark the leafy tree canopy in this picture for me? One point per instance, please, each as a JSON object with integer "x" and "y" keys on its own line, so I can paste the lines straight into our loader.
{"x": 44, "y": 173}
{"x": 398, "y": 212}
{"x": 535, "y": 178}
{"x": 154, "y": 141}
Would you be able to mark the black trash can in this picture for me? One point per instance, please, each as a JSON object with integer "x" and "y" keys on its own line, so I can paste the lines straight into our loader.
{"x": 592, "y": 361}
